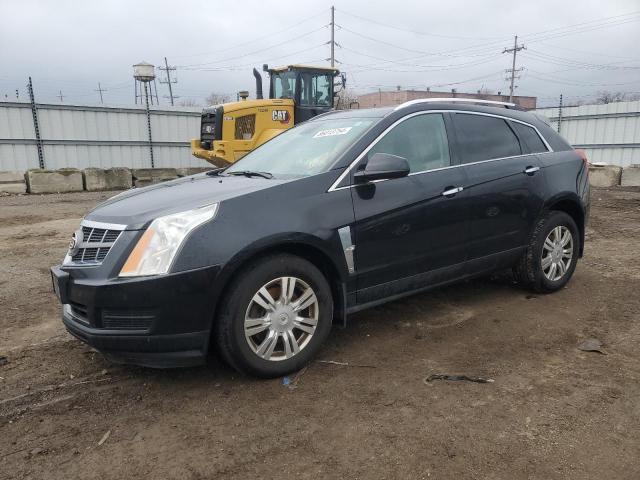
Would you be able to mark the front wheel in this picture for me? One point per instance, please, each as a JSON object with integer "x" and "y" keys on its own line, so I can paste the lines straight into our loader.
{"x": 552, "y": 254}
{"x": 275, "y": 316}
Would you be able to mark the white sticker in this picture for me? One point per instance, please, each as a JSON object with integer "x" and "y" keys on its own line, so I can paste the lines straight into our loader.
{"x": 332, "y": 132}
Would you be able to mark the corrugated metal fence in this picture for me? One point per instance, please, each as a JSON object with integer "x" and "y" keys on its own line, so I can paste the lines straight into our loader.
{"x": 608, "y": 133}
{"x": 96, "y": 136}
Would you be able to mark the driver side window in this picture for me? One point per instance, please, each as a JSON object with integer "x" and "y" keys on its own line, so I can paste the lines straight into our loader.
{"x": 422, "y": 140}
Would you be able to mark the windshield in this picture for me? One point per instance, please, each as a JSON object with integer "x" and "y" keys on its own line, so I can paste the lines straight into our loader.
{"x": 308, "y": 149}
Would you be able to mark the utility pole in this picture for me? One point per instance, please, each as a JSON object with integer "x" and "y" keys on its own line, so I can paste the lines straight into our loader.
{"x": 36, "y": 128}
{"x": 333, "y": 35}
{"x": 60, "y": 96}
{"x": 516, "y": 48}
{"x": 100, "y": 90}
{"x": 167, "y": 69}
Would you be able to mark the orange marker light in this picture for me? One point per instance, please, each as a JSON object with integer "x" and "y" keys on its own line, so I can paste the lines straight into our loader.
{"x": 133, "y": 262}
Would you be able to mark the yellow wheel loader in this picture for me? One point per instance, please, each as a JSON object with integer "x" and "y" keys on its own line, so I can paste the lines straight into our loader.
{"x": 231, "y": 130}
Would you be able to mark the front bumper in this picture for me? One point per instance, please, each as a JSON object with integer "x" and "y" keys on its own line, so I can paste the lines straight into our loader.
{"x": 162, "y": 321}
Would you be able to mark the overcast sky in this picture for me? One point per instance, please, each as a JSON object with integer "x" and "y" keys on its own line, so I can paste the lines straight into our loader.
{"x": 573, "y": 47}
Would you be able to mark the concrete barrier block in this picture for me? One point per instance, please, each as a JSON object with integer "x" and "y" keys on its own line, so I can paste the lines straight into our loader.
{"x": 54, "y": 181}
{"x": 186, "y": 171}
{"x": 605, "y": 176}
{"x": 630, "y": 176}
{"x": 148, "y": 176}
{"x": 96, "y": 179}
{"x": 12, "y": 182}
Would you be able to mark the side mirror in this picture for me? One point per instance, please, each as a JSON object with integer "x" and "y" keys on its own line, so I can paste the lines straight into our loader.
{"x": 382, "y": 166}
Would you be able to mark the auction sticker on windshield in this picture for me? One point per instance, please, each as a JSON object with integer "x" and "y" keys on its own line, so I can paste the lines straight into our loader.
{"x": 332, "y": 132}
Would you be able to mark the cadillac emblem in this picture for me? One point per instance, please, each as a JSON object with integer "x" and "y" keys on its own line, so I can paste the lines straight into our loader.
{"x": 74, "y": 244}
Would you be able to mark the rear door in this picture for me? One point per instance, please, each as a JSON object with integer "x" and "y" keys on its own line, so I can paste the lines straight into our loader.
{"x": 505, "y": 185}
{"x": 408, "y": 233}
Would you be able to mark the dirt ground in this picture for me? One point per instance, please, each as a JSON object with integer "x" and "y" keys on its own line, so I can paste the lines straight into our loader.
{"x": 552, "y": 412}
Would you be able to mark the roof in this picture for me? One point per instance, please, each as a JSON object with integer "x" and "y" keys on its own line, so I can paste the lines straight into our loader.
{"x": 356, "y": 113}
{"x": 410, "y": 107}
{"x": 286, "y": 68}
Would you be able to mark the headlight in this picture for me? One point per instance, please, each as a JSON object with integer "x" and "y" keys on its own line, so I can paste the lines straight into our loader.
{"x": 156, "y": 249}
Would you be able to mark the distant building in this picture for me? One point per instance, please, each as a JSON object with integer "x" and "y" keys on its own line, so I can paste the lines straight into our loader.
{"x": 396, "y": 97}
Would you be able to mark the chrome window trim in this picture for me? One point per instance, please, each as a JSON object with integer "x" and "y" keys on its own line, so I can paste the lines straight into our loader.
{"x": 335, "y": 184}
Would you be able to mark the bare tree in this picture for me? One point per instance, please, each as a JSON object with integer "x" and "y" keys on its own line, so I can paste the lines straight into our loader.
{"x": 605, "y": 97}
{"x": 347, "y": 99}
{"x": 188, "y": 102}
{"x": 217, "y": 98}
{"x": 486, "y": 93}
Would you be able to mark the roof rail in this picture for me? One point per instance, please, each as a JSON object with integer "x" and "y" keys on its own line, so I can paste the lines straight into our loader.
{"x": 458, "y": 99}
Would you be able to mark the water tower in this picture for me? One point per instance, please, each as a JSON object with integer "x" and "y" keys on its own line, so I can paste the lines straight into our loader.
{"x": 144, "y": 73}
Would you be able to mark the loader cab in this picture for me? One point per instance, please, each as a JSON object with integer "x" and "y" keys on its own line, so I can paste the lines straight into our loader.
{"x": 311, "y": 88}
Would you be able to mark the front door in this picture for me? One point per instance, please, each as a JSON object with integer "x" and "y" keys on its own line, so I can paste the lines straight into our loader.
{"x": 410, "y": 232}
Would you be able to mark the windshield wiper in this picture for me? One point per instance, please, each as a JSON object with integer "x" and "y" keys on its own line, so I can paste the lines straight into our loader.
{"x": 215, "y": 172}
{"x": 250, "y": 173}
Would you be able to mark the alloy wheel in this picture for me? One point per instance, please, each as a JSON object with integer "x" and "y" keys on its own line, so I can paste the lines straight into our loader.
{"x": 281, "y": 318}
{"x": 557, "y": 253}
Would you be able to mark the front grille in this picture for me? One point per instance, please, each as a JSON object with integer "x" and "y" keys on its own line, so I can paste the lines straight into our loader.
{"x": 93, "y": 243}
{"x": 127, "y": 320}
{"x": 245, "y": 127}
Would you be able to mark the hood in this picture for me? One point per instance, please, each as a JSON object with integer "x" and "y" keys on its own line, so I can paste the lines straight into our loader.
{"x": 137, "y": 207}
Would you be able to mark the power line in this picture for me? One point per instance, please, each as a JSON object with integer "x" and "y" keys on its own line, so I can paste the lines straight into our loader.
{"x": 577, "y": 63}
{"x": 427, "y": 68}
{"x": 582, "y": 30}
{"x": 598, "y": 21}
{"x": 546, "y": 78}
{"x": 608, "y": 55}
{"x": 482, "y": 77}
{"x": 271, "y": 34}
{"x": 224, "y": 68}
{"x": 187, "y": 67}
{"x": 429, "y": 34}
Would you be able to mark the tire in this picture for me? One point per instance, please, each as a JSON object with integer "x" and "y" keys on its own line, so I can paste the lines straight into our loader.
{"x": 534, "y": 272}
{"x": 244, "y": 324}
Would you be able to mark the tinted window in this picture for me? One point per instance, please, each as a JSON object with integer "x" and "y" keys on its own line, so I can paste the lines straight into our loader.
{"x": 483, "y": 138}
{"x": 531, "y": 141}
{"x": 422, "y": 140}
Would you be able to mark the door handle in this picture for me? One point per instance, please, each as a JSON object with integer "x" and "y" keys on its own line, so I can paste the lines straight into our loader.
{"x": 451, "y": 191}
{"x": 531, "y": 170}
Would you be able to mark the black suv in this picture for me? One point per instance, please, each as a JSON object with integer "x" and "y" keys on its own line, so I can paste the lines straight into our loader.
{"x": 348, "y": 210}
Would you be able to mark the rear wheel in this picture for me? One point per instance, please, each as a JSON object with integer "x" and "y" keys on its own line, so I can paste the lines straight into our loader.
{"x": 275, "y": 316}
{"x": 551, "y": 256}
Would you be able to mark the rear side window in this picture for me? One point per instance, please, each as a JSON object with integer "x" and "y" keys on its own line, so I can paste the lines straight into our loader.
{"x": 422, "y": 140}
{"x": 483, "y": 138}
{"x": 529, "y": 138}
